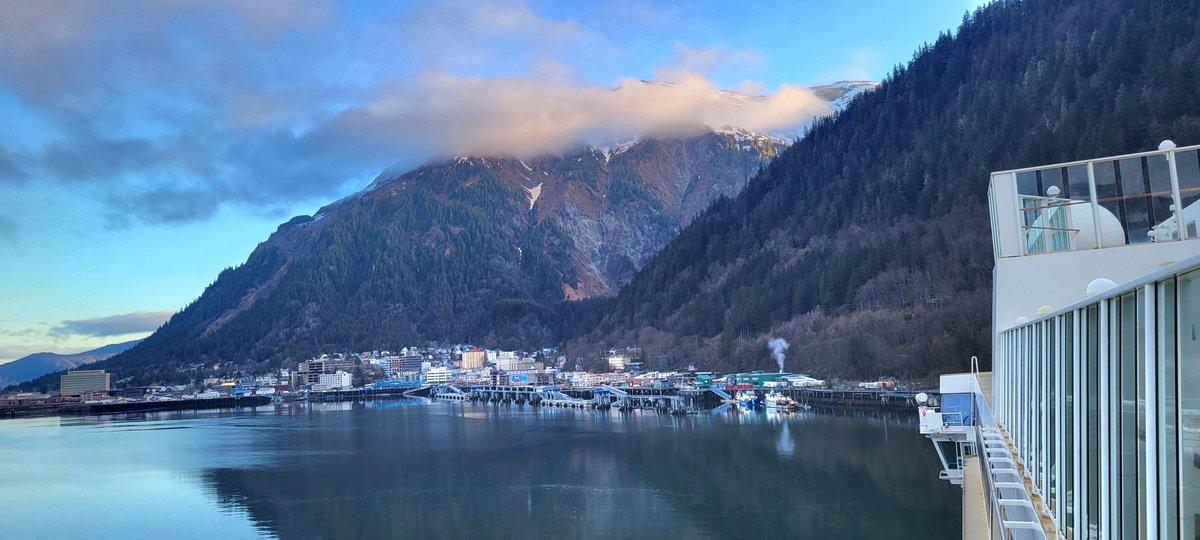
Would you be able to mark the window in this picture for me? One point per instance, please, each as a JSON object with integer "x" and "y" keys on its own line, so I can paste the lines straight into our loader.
{"x": 1168, "y": 456}
{"x": 1091, "y": 372}
{"x": 1052, "y": 406}
{"x": 1189, "y": 402}
{"x": 1067, "y": 474}
{"x": 1130, "y": 483}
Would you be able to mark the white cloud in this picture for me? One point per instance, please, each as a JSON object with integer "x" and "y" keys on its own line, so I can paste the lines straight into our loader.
{"x": 168, "y": 110}
{"x": 690, "y": 60}
{"x": 549, "y": 112}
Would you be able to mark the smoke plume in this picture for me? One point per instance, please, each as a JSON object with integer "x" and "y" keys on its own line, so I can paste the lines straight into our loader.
{"x": 778, "y": 347}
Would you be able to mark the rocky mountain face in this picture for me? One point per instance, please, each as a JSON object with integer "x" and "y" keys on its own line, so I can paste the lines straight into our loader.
{"x": 471, "y": 249}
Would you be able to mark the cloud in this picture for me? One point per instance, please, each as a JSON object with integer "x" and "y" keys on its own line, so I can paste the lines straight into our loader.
{"x": 55, "y": 48}
{"x": 168, "y": 111}
{"x": 548, "y": 112}
{"x": 10, "y": 171}
{"x": 690, "y": 60}
{"x": 859, "y": 67}
{"x": 456, "y": 35}
{"x": 8, "y": 228}
{"x": 115, "y": 325}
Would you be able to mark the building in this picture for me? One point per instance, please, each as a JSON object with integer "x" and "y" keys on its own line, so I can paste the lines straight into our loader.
{"x": 1095, "y": 388}
{"x": 84, "y": 381}
{"x": 335, "y": 381}
{"x": 474, "y": 359}
{"x": 438, "y": 375}
{"x": 309, "y": 372}
{"x": 617, "y": 361}
{"x": 759, "y": 379}
{"x": 406, "y": 363}
{"x": 803, "y": 381}
{"x": 515, "y": 364}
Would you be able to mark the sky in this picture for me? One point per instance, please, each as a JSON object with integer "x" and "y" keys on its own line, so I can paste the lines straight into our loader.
{"x": 145, "y": 145}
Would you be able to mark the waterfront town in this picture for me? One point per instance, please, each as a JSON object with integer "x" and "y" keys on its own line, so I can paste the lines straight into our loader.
{"x": 460, "y": 373}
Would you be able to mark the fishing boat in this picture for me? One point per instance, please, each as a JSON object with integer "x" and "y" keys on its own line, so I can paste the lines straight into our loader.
{"x": 777, "y": 401}
{"x": 748, "y": 399}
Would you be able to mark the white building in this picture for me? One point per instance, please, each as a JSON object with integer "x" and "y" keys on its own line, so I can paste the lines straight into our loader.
{"x": 336, "y": 380}
{"x": 438, "y": 375}
{"x": 803, "y": 381}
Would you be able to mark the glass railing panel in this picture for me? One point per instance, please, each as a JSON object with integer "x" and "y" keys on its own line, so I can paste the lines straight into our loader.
{"x": 1187, "y": 164}
{"x": 1048, "y": 223}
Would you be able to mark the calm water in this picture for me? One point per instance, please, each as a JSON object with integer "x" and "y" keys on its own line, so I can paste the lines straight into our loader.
{"x": 394, "y": 470}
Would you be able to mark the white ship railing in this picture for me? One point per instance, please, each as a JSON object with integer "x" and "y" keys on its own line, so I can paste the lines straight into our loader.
{"x": 1011, "y": 513}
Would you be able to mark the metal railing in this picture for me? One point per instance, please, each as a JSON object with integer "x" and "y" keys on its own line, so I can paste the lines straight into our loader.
{"x": 1011, "y": 514}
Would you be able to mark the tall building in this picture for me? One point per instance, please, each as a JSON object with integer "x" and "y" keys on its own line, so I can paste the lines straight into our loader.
{"x": 474, "y": 359}
{"x": 84, "y": 381}
{"x": 400, "y": 364}
{"x": 1095, "y": 389}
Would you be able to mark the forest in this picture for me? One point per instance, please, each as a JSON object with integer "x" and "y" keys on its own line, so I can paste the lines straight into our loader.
{"x": 866, "y": 244}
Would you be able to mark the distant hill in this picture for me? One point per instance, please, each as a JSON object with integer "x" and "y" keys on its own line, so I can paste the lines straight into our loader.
{"x": 38, "y": 364}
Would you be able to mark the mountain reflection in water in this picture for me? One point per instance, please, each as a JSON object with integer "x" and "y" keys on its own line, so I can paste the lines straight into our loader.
{"x": 464, "y": 470}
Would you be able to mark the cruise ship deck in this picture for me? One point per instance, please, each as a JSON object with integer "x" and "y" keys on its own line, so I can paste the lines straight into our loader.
{"x": 1086, "y": 428}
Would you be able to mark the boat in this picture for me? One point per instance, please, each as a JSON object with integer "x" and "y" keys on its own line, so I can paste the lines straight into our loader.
{"x": 748, "y": 399}
{"x": 777, "y": 401}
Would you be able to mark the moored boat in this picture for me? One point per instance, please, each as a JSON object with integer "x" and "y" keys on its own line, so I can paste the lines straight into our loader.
{"x": 775, "y": 400}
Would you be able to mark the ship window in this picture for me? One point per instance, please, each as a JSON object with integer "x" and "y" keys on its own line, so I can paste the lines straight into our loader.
{"x": 1140, "y": 410}
{"x": 1054, "y": 362}
{"x": 1189, "y": 402}
{"x": 1131, "y": 447}
{"x": 1168, "y": 456}
{"x": 1091, "y": 426}
{"x": 1069, "y": 444}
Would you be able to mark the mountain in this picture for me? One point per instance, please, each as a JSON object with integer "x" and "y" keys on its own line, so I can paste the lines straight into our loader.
{"x": 490, "y": 250}
{"x": 866, "y": 244}
{"x": 38, "y": 364}
{"x": 471, "y": 249}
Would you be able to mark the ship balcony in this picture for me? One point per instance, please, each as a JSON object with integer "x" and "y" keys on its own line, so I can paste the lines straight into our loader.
{"x": 943, "y": 425}
{"x": 1149, "y": 197}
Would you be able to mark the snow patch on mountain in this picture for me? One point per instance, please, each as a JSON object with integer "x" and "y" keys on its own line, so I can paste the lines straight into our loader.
{"x": 610, "y": 151}
{"x": 534, "y": 192}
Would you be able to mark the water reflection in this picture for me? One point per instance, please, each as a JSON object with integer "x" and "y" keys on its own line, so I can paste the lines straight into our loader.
{"x": 462, "y": 470}
{"x": 785, "y": 447}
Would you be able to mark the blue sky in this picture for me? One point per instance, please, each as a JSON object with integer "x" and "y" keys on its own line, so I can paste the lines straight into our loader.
{"x": 146, "y": 145}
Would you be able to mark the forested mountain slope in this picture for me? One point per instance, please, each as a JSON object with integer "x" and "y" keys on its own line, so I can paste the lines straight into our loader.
{"x": 866, "y": 244}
